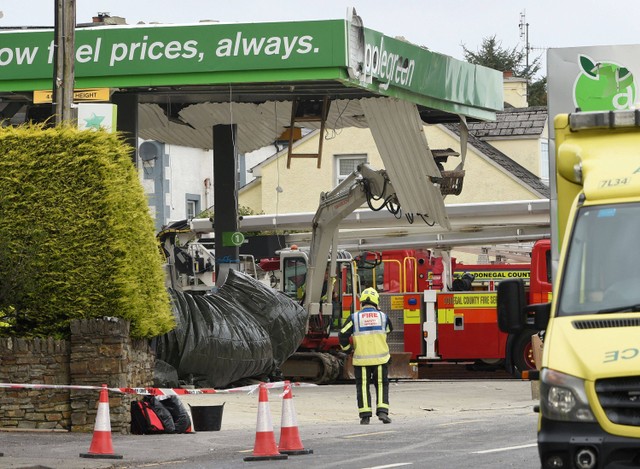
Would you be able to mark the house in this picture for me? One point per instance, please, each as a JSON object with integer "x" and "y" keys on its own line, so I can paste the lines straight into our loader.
{"x": 506, "y": 160}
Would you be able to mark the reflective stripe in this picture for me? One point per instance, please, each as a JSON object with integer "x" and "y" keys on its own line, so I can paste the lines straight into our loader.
{"x": 346, "y": 328}
{"x": 264, "y": 423}
{"x": 380, "y": 390}
{"x": 103, "y": 422}
{"x": 380, "y": 355}
{"x": 364, "y": 390}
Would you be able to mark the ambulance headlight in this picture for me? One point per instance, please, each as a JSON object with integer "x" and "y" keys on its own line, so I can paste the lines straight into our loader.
{"x": 563, "y": 397}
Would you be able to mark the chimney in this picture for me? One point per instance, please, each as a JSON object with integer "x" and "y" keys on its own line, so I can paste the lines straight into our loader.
{"x": 101, "y": 16}
{"x": 515, "y": 89}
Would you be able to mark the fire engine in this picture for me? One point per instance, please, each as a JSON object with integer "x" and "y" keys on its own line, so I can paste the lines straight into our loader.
{"x": 454, "y": 321}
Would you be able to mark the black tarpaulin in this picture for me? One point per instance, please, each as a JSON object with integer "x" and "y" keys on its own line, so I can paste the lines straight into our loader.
{"x": 246, "y": 329}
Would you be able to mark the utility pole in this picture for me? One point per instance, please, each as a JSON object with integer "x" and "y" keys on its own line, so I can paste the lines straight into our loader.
{"x": 64, "y": 60}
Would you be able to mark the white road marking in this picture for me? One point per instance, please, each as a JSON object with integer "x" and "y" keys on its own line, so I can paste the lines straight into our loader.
{"x": 391, "y": 465}
{"x": 462, "y": 422}
{"x": 508, "y": 448}
{"x": 358, "y": 435}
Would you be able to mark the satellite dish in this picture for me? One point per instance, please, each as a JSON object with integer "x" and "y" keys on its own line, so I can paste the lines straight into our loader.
{"x": 150, "y": 151}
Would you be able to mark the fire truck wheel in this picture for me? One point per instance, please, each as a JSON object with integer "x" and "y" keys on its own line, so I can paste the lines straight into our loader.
{"x": 522, "y": 354}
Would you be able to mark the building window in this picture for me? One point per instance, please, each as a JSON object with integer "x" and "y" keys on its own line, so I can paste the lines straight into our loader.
{"x": 347, "y": 164}
{"x": 544, "y": 161}
{"x": 192, "y": 205}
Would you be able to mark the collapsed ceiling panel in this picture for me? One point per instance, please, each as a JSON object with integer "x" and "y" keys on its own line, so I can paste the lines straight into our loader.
{"x": 258, "y": 125}
{"x": 399, "y": 135}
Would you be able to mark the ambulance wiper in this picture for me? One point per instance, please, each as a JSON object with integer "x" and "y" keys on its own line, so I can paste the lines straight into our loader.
{"x": 620, "y": 309}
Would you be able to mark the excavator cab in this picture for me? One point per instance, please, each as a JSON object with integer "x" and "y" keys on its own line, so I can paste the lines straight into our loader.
{"x": 294, "y": 274}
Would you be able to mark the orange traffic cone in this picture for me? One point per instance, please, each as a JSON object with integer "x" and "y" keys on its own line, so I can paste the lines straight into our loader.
{"x": 265, "y": 444}
{"x": 101, "y": 446}
{"x": 290, "y": 442}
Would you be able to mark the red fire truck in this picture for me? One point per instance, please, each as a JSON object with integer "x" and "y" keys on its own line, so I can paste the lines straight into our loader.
{"x": 453, "y": 325}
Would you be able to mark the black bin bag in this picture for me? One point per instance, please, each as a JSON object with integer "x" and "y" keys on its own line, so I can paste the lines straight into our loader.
{"x": 178, "y": 412}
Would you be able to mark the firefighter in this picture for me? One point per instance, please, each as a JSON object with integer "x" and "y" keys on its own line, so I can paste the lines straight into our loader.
{"x": 366, "y": 333}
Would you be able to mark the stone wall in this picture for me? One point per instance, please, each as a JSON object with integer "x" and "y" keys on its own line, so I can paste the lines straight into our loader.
{"x": 99, "y": 351}
{"x": 35, "y": 361}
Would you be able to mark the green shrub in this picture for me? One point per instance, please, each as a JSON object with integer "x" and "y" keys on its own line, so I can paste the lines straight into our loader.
{"x": 76, "y": 237}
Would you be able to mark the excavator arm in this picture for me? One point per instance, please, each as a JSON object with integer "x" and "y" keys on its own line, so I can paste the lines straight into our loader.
{"x": 365, "y": 184}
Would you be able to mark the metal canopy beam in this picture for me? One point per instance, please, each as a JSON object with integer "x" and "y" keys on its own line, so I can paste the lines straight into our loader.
{"x": 472, "y": 216}
{"x": 474, "y": 224}
{"x": 363, "y": 241}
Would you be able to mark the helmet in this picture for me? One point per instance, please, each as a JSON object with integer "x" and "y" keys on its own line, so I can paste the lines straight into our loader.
{"x": 369, "y": 295}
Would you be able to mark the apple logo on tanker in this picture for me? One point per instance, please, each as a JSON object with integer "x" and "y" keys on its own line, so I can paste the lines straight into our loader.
{"x": 603, "y": 86}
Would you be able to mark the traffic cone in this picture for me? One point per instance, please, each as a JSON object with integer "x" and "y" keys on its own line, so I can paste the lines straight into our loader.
{"x": 101, "y": 446}
{"x": 265, "y": 445}
{"x": 290, "y": 442}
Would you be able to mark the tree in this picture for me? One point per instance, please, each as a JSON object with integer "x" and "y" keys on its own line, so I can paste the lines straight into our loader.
{"x": 61, "y": 261}
{"x": 538, "y": 93}
{"x": 491, "y": 54}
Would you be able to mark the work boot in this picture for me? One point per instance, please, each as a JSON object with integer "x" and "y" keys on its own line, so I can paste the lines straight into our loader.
{"x": 384, "y": 418}
{"x": 364, "y": 421}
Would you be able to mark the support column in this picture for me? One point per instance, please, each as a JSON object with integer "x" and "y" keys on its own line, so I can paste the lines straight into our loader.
{"x": 225, "y": 201}
{"x": 127, "y": 119}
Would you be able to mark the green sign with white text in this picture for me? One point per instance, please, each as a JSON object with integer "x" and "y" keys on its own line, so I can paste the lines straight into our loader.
{"x": 149, "y": 56}
{"x": 162, "y": 51}
{"x": 391, "y": 66}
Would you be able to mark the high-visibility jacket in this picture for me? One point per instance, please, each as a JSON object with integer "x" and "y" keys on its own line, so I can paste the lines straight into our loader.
{"x": 368, "y": 329}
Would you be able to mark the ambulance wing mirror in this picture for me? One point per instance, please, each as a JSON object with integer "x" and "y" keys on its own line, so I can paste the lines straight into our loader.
{"x": 541, "y": 314}
{"x": 511, "y": 306}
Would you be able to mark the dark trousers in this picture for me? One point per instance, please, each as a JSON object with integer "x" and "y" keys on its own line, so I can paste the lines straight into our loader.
{"x": 378, "y": 376}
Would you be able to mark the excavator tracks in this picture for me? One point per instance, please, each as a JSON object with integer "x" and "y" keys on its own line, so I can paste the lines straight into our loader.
{"x": 314, "y": 367}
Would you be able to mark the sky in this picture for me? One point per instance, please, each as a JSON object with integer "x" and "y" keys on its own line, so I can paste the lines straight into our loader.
{"x": 443, "y": 26}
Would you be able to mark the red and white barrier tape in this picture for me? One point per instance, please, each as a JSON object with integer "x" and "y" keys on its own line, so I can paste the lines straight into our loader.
{"x": 154, "y": 391}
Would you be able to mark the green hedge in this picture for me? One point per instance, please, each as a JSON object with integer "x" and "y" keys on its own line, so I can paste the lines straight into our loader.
{"x": 76, "y": 236}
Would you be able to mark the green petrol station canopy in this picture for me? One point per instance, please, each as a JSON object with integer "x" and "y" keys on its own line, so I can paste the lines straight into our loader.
{"x": 254, "y": 63}
{"x": 178, "y": 82}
